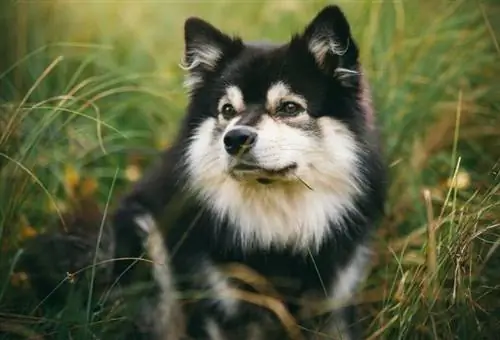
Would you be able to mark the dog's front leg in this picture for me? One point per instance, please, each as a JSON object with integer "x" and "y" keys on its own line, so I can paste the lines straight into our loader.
{"x": 159, "y": 315}
{"x": 163, "y": 310}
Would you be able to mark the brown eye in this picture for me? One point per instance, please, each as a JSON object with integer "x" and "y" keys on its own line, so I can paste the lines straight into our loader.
{"x": 228, "y": 111}
{"x": 289, "y": 109}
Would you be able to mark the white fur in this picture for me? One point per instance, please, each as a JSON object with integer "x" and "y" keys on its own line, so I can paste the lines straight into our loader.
{"x": 219, "y": 289}
{"x": 287, "y": 212}
{"x": 168, "y": 321}
{"x": 191, "y": 81}
{"x": 351, "y": 276}
{"x": 344, "y": 73}
{"x": 203, "y": 55}
{"x": 322, "y": 45}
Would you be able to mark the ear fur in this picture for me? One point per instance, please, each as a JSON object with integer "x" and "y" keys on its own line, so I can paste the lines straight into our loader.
{"x": 328, "y": 39}
{"x": 205, "y": 47}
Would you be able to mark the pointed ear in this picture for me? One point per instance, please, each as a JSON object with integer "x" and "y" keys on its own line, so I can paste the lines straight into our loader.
{"x": 204, "y": 48}
{"x": 328, "y": 39}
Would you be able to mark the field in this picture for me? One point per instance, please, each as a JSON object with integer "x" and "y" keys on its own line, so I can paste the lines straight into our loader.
{"x": 90, "y": 91}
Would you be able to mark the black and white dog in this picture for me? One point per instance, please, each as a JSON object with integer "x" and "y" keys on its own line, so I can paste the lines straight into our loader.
{"x": 276, "y": 167}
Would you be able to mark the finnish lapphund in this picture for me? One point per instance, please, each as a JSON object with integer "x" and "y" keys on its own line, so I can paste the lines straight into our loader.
{"x": 276, "y": 169}
{"x": 258, "y": 218}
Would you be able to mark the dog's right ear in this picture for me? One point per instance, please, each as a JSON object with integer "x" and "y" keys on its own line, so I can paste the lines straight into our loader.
{"x": 205, "y": 47}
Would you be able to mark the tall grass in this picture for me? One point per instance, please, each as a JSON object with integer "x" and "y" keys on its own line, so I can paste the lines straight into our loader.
{"x": 92, "y": 90}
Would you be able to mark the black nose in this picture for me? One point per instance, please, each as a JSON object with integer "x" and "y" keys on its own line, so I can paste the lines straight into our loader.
{"x": 239, "y": 140}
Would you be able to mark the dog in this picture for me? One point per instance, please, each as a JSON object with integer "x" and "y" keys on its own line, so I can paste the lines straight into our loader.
{"x": 256, "y": 222}
{"x": 278, "y": 168}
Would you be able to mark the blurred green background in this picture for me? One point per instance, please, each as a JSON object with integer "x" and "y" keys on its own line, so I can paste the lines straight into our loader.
{"x": 90, "y": 91}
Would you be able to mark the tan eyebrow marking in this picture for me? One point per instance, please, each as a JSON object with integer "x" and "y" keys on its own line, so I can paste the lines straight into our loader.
{"x": 278, "y": 93}
{"x": 233, "y": 96}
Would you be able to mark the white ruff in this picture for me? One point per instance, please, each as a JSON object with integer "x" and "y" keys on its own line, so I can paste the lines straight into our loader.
{"x": 288, "y": 213}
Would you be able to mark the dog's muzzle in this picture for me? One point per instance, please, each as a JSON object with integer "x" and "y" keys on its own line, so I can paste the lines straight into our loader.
{"x": 238, "y": 142}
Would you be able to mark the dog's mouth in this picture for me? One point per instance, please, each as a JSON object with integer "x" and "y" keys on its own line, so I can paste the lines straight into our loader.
{"x": 263, "y": 175}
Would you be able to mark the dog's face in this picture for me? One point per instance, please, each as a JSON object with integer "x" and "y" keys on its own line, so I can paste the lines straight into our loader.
{"x": 273, "y": 123}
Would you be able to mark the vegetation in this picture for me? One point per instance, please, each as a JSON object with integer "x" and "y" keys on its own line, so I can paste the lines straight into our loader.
{"x": 90, "y": 91}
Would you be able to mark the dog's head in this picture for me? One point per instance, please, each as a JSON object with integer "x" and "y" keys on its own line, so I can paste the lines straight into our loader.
{"x": 266, "y": 119}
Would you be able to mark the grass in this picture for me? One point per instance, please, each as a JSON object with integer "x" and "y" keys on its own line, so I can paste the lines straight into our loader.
{"x": 90, "y": 91}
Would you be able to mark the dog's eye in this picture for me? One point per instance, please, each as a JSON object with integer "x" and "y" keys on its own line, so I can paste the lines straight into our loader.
{"x": 289, "y": 109}
{"x": 228, "y": 111}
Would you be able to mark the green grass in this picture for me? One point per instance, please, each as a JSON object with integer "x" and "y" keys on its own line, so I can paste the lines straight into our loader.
{"x": 95, "y": 88}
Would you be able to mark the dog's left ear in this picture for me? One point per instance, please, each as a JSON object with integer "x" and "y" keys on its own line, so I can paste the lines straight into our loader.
{"x": 328, "y": 39}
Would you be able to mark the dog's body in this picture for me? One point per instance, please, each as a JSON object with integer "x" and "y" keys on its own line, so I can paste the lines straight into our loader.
{"x": 276, "y": 168}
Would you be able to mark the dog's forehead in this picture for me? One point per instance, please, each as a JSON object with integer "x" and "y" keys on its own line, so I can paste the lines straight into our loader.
{"x": 254, "y": 63}
{"x": 257, "y": 71}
